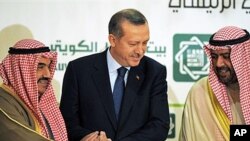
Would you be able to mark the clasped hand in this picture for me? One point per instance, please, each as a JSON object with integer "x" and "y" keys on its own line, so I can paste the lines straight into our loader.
{"x": 96, "y": 136}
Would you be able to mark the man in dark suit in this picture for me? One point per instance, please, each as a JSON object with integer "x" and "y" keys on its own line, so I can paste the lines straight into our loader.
{"x": 89, "y": 96}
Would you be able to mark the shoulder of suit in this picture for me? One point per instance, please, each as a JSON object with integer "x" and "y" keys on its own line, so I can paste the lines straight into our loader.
{"x": 87, "y": 58}
{"x": 150, "y": 61}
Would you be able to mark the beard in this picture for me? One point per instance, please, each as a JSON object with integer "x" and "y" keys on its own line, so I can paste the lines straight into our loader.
{"x": 228, "y": 78}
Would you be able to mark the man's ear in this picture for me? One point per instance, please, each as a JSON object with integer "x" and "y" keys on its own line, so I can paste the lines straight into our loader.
{"x": 112, "y": 40}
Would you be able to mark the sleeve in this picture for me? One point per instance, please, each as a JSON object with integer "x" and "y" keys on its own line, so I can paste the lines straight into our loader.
{"x": 69, "y": 105}
{"x": 189, "y": 117}
{"x": 198, "y": 119}
{"x": 13, "y": 125}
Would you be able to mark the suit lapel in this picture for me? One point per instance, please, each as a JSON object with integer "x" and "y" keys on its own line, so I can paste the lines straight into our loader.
{"x": 135, "y": 79}
{"x": 101, "y": 78}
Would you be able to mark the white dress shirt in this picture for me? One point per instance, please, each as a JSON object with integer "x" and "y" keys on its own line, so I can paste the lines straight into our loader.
{"x": 112, "y": 68}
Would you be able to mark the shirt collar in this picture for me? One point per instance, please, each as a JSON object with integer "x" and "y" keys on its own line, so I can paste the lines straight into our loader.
{"x": 113, "y": 65}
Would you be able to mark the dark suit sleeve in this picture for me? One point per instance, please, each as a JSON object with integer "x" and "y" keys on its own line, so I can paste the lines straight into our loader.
{"x": 69, "y": 105}
{"x": 156, "y": 129}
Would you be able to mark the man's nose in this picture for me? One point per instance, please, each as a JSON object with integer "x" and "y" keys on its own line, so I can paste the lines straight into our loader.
{"x": 46, "y": 73}
{"x": 140, "y": 49}
{"x": 220, "y": 62}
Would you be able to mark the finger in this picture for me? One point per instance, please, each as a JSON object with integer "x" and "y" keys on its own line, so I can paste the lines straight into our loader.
{"x": 90, "y": 137}
{"x": 102, "y": 136}
{"x": 93, "y": 136}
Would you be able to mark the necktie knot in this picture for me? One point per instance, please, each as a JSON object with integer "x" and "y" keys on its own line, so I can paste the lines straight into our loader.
{"x": 122, "y": 71}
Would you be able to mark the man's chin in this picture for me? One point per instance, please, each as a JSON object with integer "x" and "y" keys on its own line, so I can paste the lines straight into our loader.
{"x": 134, "y": 64}
{"x": 41, "y": 92}
{"x": 227, "y": 81}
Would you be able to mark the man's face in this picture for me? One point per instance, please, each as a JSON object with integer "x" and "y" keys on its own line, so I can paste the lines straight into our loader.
{"x": 130, "y": 48}
{"x": 43, "y": 74}
{"x": 223, "y": 67}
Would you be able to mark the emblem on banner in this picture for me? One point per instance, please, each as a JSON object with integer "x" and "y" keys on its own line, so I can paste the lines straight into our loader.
{"x": 172, "y": 132}
{"x": 190, "y": 61}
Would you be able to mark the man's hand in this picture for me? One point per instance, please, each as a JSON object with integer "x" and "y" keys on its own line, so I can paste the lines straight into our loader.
{"x": 91, "y": 137}
{"x": 103, "y": 137}
{"x": 96, "y": 136}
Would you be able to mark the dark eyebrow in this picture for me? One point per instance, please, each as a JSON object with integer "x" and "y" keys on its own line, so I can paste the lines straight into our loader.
{"x": 226, "y": 54}
{"x": 220, "y": 53}
{"x": 41, "y": 64}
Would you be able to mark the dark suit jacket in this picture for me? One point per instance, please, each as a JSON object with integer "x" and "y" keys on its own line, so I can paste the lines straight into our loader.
{"x": 87, "y": 103}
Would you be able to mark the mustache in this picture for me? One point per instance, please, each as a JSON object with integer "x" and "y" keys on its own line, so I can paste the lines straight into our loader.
{"x": 42, "y": 78}
{"x": 218, "y": 69}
